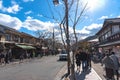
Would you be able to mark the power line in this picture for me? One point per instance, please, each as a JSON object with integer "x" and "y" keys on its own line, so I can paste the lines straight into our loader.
{"x": 50, "y": 9}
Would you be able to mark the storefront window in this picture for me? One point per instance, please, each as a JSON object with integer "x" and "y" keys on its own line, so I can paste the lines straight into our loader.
{"x": 106, "y": 35}
{"x": 109, "y": 33}
{"x": 8, "y": 37}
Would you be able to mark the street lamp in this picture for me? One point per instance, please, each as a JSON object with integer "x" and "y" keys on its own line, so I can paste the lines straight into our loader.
{"x": 56, "y": 2}
{"x": 53, "y": 41}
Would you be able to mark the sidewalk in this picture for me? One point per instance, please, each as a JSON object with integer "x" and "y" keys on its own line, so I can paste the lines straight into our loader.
{"x": 88, "y": 75}
{"x": 99, "y": 69}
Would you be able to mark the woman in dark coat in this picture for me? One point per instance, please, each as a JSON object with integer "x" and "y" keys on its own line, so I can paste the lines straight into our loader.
{"x": 78, "y": 62}
{"x": 88, "y": 60}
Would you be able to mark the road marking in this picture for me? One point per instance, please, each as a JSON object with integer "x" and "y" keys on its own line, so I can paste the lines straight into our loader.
{"x": 96, "y": 74}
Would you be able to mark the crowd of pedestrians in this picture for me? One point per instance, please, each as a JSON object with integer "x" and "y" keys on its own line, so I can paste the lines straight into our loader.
{"x": 83, "y": 58}
{"x": 7, "y": 56}
{"x": 109, "y": 61}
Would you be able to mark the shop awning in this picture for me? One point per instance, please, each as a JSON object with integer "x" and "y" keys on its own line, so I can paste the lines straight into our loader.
{"x": 25, "y": 46}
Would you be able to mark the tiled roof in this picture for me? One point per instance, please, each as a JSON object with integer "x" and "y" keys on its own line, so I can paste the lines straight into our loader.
{"x": 108, "y": 21}
{"x": 113, "y": 20}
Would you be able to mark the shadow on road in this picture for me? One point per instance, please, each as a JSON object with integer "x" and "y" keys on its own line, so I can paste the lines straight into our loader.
{"x": 61, "y": 60}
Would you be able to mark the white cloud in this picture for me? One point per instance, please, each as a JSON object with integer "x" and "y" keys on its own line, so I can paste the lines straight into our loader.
{"x": 93, "y": 26}
{"x": 29, "y": 23}
{"x": 28, "y": 12}
{"x": 35, "y": 24}
{"x": 27, "y": 0}
{"x": 12, "y": 9}
{"x": 103, "y": 17}
{"x": 94, "y": 5}
{"x": 40, "y": 15}
{"x": 87, "y": 29}
{"x": 111, "y": 15}
{"x": 119, "y": 16}
{"x": 10, "y": 21}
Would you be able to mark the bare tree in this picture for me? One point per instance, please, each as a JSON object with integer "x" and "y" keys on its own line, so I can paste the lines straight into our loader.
{"x": 77, "y": 18}
{"x": 43, "y": 34}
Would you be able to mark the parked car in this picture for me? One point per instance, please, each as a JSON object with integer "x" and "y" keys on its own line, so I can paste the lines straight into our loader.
{"x": 63, "y": 55}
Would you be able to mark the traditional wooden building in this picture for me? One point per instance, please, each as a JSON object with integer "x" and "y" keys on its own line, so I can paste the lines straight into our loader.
{"x": 15, "y": 41}
{"x": 109, "y": 35}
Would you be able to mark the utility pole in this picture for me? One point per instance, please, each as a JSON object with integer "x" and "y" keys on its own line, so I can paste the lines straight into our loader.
{"x": 53, "y": 42}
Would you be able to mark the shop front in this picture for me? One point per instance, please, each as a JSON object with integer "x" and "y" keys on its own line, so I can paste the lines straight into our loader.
{"x": 111, "y": 47}
{"x": 26, "y": 50}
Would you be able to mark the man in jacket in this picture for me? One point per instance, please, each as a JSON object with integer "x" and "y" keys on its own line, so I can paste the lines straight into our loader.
{"x": 83, "y": 58}
{"x": 115, "y": 63}
{"x": 108, "y": 63}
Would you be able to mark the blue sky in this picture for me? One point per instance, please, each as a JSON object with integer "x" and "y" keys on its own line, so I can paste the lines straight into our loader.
{"x": 32, "y": 15}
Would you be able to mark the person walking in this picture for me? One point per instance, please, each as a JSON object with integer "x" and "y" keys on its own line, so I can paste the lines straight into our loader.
{"x": 78, "y": 62}
{"x": 21, "y": 57}
{"x": 83, "y": 58}
{"x": 3, "y": 57}
{"x": 88, "y": 60}
{"x": 108, "y": 63}
{"x": 7, "y": 58}
{"x": 0, "y": 58}
{"x": 116, "y": 64}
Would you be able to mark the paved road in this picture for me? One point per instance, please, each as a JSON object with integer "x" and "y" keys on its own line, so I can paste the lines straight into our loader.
{"x": 42, "y": 69}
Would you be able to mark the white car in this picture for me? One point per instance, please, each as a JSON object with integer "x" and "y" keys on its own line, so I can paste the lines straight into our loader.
{"x": 63, "y": 55}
